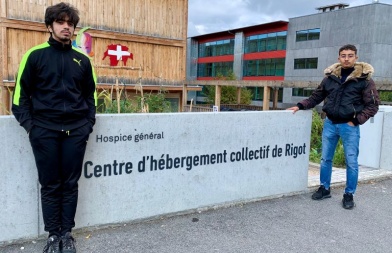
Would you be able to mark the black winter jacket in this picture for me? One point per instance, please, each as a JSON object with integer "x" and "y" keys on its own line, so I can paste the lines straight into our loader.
{"x": 354, "y": 100}
{"x": 55, "y": 88}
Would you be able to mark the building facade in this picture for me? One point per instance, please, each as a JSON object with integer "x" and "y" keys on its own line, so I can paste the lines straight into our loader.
{"x": 309, "y": 45}
{"x": 250, "y": 53}
{"x": 313, "y": 43}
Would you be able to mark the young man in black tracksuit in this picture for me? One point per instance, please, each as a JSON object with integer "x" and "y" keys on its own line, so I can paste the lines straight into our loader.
{"x": 350, "y": 99}
{"x": 54, "y": 101}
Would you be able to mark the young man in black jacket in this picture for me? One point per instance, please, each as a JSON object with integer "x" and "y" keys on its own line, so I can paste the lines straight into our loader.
{"x": 351, "y": 99}
{"x": 54, "y": 101}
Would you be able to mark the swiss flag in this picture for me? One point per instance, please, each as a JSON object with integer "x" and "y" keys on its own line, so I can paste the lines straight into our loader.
{"x": 117, "y": 53}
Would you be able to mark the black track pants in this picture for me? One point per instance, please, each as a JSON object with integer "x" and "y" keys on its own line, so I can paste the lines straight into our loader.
{"x": 59, "y": 159}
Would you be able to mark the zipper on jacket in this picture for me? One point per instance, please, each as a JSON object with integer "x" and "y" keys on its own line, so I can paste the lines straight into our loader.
{"x": 355, "y": 112}
{"x": 62, "y": 81}
{"x": 374, "y": 101}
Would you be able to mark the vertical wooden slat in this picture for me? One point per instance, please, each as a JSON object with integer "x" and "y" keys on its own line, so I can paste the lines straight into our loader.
{"x": 4, "y": 105}
{"x": 4, "y": 92}
{"x": 218, "y": 94}
{"x": 2, "y": 88}
{"x": 185, "y": 21}
{"x": 184, "y": 96}
{"x": 3, "y": 8}
{"x": 275, "y": 102}
{"x": 4, "y": 54}
{"x": 238, "y": 95}
{"x": 117, "y": 96}
{"x": 266, "y": 97}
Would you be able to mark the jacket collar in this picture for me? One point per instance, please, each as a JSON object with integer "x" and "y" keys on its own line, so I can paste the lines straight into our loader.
{"x": 361, "y": 70}
{"x": 58, "y": 45}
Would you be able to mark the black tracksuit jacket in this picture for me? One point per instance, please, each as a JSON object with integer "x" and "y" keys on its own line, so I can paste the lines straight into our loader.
{"x": 55, "y": 88}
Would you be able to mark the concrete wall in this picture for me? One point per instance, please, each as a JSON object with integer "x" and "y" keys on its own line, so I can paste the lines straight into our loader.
{"x": 19, "y": 188}
{"x": 386, "y": 142}
{"x": 252, "y": 155}
{"x": 376, "y": 138}
{"x": 370, "y": 141}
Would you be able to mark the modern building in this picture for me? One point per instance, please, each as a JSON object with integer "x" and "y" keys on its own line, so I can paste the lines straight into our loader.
{"x": 251, "y": 53}
{"x": 305, "y": 45}
{"x": 313, "y": 42}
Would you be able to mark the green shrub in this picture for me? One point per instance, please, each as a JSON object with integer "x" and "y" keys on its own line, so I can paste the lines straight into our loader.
{"x": 156, "y": 102}
{"x": 149, "y": 102}
{"x": 385, "y": 96}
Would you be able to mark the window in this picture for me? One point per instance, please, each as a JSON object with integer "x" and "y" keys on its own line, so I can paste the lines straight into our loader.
{"x": 310, "y": 34}
{"x": 311, "y": 63}
{"x": 302, "y": 35}
{"x": 258, "y": 94}
{"x": 264, "y": 67}
{"x": 214, "y": 69}
{"x": 314, "y": 34}
{"x": 261, "y": 68}
{"x": 271, "y": 42}
{"x": 279, "y": 67}
{"x": 174, "y": 104}
{"x": 269, "y": 67}
{"x": 266, "y": 42}
{"x": 302, "y": 92}
{"x": 252, "y": 44}
{"x": 209, "y": 70}
{"x": 305, "y": 63}
{"x": 251, "y": 68}
{"x": 281, "y": 40}
{"x": 262, "y": 43}
{"x": 216, "y": 48}
{"x": 208, "y": 50}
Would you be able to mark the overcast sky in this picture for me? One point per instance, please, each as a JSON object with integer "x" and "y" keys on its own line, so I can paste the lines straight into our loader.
{"x": 206, "y": 16}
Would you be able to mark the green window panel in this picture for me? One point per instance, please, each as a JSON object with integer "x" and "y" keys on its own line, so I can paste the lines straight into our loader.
{"x": 266, "y": 42}
{"x": 216, "y": 48}
{"x": 214, "y": 69}
{"x": 310, "y": 34}
{"x": 305, "y": 63}
{"x": 264, "y": 67}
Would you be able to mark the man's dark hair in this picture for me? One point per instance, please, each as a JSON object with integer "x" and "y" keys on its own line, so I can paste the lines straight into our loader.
{"x": 61, "y": 11}
{"x": 348, "y": 47}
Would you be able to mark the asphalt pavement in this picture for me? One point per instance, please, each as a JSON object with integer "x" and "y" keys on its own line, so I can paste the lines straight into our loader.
{"x": 286, "y": 224}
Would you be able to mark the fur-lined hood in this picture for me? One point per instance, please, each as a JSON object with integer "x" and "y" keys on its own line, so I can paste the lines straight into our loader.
{"x": 361, "y": 69}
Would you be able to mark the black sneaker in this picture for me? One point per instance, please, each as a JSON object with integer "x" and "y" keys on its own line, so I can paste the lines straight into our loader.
{"x": 52, "y": 245}
{"x": 321, "y": 193}
{"x": 68, "y": 243}
{"x": 348, "y": 201}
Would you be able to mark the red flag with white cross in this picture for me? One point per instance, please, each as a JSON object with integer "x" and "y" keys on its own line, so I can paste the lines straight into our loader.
{"x": 117, "y": 53}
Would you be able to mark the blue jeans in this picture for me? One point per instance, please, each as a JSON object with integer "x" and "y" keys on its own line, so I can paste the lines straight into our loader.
{"x": 350, "y": 137}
